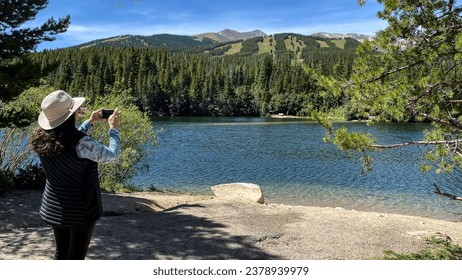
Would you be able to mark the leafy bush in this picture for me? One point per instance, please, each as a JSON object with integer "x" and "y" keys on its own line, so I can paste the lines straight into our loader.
{"x": 16, "y": 156}
{"x": 137, "y": 136}
{"x": 6, "y": 180}
{"x": 23, "y": 110}
{"x": 30, "y": 177}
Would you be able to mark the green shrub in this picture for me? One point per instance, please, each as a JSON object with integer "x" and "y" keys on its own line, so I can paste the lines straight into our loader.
{"x": 30, "y": 177}
{"x": 137, "y": 135}
{"x": 17, "y": 167}
{"x": 6, "y": 181}
{"x": 439, "y": 249}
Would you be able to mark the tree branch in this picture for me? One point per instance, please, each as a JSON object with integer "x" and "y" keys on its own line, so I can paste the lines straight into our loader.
{"x": 451, "y": 196}
{"x": 383, "y": 75}
{"x": 388, "y": 73}
{"x": 451, "y": 122}
{"x": 450, "y": 5}
{"x": 419, "y": 143}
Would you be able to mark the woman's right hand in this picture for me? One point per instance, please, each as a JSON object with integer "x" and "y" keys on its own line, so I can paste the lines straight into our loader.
{"x": 114, "y": 119}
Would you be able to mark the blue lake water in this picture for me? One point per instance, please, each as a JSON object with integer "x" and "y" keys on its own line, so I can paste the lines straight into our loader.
{"x": 292, "y": 164}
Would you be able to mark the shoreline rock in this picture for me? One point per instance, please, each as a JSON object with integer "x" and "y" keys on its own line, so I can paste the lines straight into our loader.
{"x": 239, "y": 192}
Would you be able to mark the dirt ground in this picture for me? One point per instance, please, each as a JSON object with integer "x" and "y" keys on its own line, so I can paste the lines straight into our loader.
{"x": 169, "y": 226}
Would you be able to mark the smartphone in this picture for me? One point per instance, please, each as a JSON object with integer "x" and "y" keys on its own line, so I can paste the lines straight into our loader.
{"x": 107, "y": 113}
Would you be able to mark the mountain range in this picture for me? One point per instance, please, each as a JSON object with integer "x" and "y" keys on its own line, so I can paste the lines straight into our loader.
{"x": 356, "y": 36}
{"x": 183, "y": 41}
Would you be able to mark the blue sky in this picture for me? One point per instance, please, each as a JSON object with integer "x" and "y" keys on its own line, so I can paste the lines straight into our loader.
{"x": 97, "y": 19}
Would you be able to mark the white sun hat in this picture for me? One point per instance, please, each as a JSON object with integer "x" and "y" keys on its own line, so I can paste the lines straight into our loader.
{"x": 57, "y": 107}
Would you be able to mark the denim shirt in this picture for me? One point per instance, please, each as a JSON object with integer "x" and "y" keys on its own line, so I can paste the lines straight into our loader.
{"x": 92, "y": 149}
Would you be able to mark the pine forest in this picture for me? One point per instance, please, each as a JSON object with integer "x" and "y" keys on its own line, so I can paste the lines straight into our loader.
{"x": 278, "y": 74}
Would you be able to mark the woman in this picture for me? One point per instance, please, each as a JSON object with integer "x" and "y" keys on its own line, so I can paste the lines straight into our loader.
{"x": 71, "y": 201}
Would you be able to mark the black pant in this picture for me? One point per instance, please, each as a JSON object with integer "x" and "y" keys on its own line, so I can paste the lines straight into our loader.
{"x": 72, "y": 243}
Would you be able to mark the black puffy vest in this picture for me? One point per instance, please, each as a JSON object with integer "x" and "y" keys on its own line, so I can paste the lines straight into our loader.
{"x": 72, "y": 195}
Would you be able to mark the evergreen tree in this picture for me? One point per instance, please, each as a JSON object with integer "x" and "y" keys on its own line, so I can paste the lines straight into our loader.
{"x": 17, "y": 71}
{"x": 412, "y": 71}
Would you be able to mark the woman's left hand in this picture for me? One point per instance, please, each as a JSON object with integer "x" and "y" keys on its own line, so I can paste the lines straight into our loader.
{"x": 97, "y": 116}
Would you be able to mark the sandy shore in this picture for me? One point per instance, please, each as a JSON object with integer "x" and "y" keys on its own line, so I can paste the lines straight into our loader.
{"x": 154, "y": 225}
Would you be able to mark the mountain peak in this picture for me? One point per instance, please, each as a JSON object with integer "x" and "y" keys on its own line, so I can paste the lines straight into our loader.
{"x": 227, "y": 35}
{"x": 227, "y": 30}
{"x": 359, "y": 37}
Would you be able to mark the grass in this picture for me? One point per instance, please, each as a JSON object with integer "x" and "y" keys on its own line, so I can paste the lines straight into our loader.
{"x": 322, "y": 44}
{"x": 438, "y": 249}
{"x": 339, "y": 43}
{"x": 235, "y": 48}
{"x": 265, "y": 47}
{"x": 292, "y": 44}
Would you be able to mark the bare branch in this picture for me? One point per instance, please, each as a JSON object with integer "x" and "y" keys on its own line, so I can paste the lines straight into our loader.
{"x": 451, "y": 196}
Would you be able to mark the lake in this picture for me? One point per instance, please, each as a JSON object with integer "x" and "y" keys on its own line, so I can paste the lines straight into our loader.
{"x": 288, "y": 159}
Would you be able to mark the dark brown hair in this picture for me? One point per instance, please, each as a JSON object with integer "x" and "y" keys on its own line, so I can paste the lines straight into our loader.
{"x": 57, "y": 140}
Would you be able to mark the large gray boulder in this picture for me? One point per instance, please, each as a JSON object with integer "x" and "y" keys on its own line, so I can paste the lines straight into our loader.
{"x": 239, "y": 192}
